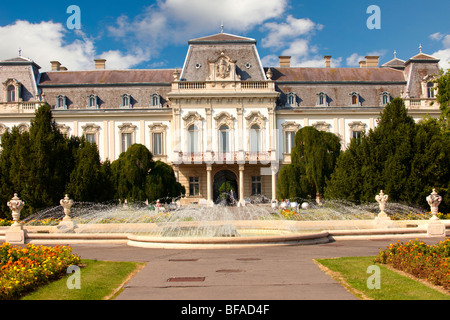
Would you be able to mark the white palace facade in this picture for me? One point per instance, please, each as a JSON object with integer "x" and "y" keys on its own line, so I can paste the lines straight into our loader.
{"x": 222, "y": 117}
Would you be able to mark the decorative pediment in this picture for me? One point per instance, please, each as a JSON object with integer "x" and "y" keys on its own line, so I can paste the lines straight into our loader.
{"x": 192, "y": 117}
{"x": 255, "y": 117}
{"x": 322, "y": 126}
{"x": 224, "y": 118}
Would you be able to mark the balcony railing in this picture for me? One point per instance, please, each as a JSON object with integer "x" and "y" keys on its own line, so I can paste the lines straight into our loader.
{"x": 19, "y": 107}
{"x": 417, "y": 103}
{"x": 223, "y": 157}
{"x": 180, "y": 86}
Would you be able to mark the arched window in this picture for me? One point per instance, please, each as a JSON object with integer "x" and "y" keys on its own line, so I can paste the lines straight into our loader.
{"x": 156, "y": 100}
{"x": 126, "y": 101}
{"x": 11, "y": 93}
{"x": 193, "y": 139}
{"x": 354, "y": 99}
{"x": 92, "y": 101}
{"x": 255, "y": 138}
{"x": 61, "y": 101}
{"x": 224, "y": 139}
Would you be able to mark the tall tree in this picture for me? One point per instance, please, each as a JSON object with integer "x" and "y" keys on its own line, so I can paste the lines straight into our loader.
{"x": 313, "y": 160}
{"x": 161, "y": 183}
{"x": 443, "y": 98}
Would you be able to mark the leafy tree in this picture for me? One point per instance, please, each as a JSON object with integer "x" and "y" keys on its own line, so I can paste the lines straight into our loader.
{"x": 405, "y": 159}
{"x": 89, "y": 178}
{"x": 161, "y": 183}
{"x": 130, "y": 172}
{"x": 443, "y": 98}
{"x": 313, "y": 160}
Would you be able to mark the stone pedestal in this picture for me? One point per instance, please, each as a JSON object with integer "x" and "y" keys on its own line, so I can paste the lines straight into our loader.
{"x": 16, "y": 234}
{"x": 435, "y": 228}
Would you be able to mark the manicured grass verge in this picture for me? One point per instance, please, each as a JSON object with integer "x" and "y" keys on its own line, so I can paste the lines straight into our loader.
{"x": 98, "y": 280}
{"x": 352, "y": 273}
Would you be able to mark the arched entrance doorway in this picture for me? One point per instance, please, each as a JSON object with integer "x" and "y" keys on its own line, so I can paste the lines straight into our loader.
{"x": 225, "y": 187}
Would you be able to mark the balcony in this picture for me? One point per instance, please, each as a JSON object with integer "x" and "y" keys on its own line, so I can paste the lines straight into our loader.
{"x": 20, "y": 107}
{"x": 419, "y": 103}
{"x": 239, "y": 157}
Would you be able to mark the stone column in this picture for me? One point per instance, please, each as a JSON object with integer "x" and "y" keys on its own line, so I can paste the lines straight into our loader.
{"x": 435, "y": 227}
{"x": 15, "y": 234}
{"x": 241, "y": 186}
{"x": 274, "y": 182}
{"x": 209, "y": 184}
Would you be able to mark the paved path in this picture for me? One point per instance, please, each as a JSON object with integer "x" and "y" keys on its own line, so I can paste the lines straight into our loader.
{"x": 264, "y": 273}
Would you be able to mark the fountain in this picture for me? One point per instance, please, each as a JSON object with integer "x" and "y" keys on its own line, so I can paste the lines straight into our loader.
{"x": 221, "y": 226}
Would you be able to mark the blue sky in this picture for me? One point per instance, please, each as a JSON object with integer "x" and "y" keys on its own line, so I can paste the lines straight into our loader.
{"x": 154, "y": 34}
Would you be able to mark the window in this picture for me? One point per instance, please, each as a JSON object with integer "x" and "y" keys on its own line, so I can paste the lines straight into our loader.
{"x": 157, "y": 144}
{"x": 90, "y": 137}
{"x": 291, "y": 100}
{"x": 386, "y": 98}
{"x": 430, "y": 90}
{"x": 255, "y": 138}
{"x": 127, "y": 141}
{"x": 61, "y": 102}
{"x": 156, "y": 100}
{"x": 322, "y": 99}
{"x": 256, "y": 185}
{"x": 11, "y": 94}
{"x": 355, "y": 99}
{"x": 290, "y": 141}
{"x": 193, "y": 139}
{"x": 194, "y": 186}
{"x": 125, "y": 101}
{"x": 92, "y": 101}
{"x": 356, "y": 134}
{"x": 224, "y": 143}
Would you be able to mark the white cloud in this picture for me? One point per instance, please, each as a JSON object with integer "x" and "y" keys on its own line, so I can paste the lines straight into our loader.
{"x": 354, "y": 59}
{"x": 280, "y": 33}
{"x": 444, "y": 54}
{"x": 176, "y": 21}
{"x": 46, "y": 41}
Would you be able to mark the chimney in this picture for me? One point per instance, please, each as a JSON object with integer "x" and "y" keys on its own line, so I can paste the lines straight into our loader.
{"x": 372, "y": 61}
{"x": 327, "y": 61}
{"x": 285, "y": 61}
{"x": 362, "y": 64}
{"x": 63, "y": 68}
{"x": 100, "y": 63}
{"x": 55, "y": 65}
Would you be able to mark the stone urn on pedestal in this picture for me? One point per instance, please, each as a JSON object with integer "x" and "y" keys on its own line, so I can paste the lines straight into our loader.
{"x": 66, "y": 225}
{"x": 435, "y": 228}
{"x": 16, "y": 233}
{"x": 382, "y": 217}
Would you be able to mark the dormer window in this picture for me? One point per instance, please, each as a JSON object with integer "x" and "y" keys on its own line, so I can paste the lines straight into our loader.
{"x": 355, "y": 99}
{"x": 156, "y": 101}
{"x": 291, "y": 100}
{"x": 11, "y": 93}
{"x": 385, "y": 98}
{"x": 61, "y": 102}
{"x": 92, "y": 101}
{"x": 125, "y": 101}
{"x": 322, "y": 99}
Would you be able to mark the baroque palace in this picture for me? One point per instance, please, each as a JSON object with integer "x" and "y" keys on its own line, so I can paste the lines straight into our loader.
{"x": 222, "y": 117}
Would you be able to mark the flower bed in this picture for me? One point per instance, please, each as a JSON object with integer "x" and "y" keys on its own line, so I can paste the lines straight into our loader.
{"x": 23, "y": 269}
{"x": 429, "y": 262}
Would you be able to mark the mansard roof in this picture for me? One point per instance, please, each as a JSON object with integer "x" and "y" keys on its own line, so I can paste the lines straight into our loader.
{"x": 422, "y": 57}
{"x": 322, "y": 75}
{"x": 107, "y": 77}
{"x": 222, "y": 38}
{"x": 19, "y": 60}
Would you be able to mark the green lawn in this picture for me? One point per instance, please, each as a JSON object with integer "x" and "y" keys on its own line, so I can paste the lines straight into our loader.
{"x": 98, "y": 280}
{"x": 393, "y": 286}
